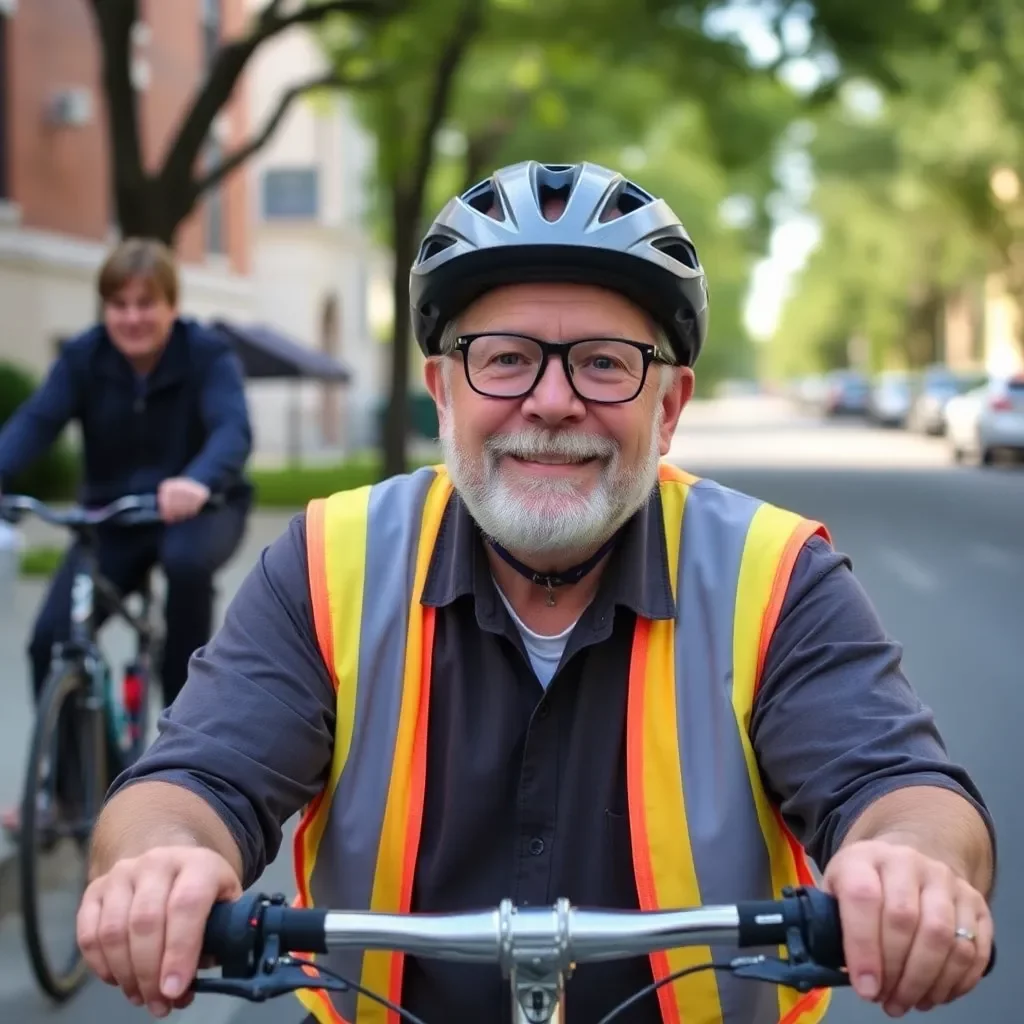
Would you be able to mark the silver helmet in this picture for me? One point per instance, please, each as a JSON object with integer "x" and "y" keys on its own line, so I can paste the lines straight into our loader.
{"x": 610, "y": 233}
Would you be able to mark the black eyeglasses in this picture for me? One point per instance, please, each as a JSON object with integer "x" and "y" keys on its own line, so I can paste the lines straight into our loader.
{"x": 608, "y": 371}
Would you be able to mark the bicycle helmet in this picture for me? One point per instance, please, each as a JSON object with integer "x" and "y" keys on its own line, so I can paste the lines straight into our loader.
{"x": 610, "y": 233}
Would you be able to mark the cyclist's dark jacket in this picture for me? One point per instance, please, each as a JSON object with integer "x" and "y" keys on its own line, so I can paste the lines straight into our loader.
{"x": 526, "y": 787}
{"x": 186, "y": 418}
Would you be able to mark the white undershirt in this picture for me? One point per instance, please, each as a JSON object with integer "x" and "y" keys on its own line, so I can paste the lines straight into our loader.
{"x": 544, "y": 652}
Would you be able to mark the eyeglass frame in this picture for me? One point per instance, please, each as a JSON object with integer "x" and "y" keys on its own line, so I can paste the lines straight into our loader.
{"x": 560, "y": 350}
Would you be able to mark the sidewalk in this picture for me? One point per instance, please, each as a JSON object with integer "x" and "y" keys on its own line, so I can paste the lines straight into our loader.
{"x": 17, "y": 613}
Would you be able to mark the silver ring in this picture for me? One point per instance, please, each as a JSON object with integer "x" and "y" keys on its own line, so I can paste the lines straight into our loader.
{"x": 966, "y": 933}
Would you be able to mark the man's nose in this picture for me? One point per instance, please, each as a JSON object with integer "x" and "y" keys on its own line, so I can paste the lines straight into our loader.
{"x": 553, "y": 400}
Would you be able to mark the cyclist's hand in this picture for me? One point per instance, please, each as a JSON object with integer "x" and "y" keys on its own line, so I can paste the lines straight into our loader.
{"x": 181, "y": 498}
{"x": 900, "y": 911}
{"x": 140, "y": 926}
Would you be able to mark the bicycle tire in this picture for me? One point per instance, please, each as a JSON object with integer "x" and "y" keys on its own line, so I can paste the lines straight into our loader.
{"x": 64, "y": 682}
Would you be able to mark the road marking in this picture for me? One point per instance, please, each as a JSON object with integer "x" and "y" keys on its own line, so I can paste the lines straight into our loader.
{"x": 916, "y": 576}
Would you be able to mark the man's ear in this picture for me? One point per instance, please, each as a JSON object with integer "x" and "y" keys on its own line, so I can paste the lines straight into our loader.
{"x": 435, "y": 378}
{"x": 673, "y": 401}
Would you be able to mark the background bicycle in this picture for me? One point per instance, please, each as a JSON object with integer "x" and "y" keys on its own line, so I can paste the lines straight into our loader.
{"x": 92, "y": 718}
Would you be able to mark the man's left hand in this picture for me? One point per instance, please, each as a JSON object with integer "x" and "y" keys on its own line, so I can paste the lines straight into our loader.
{"x": 180, "y": 498}
{"x": 901, "y": 913}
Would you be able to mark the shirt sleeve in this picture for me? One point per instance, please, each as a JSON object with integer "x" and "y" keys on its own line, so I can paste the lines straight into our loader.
{"x": 836, "y": 724}
{"x": 252, "y": 731}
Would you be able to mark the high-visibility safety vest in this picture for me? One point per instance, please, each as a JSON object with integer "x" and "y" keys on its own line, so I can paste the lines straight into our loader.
{"x": 703, "y": 829}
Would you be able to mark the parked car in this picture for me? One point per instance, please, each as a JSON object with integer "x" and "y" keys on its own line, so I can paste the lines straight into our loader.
{"x": 987, "y": 420}
{"x": 889, "y": 400}
{"x": 846, "y": 393}
{"x": 933, "y": 389}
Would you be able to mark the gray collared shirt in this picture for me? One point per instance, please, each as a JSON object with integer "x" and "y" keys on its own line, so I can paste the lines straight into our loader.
{"x": 526, "y": 788}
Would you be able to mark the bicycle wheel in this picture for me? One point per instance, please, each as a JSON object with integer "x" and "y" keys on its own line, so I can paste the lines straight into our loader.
{"x": 64, "y": 789}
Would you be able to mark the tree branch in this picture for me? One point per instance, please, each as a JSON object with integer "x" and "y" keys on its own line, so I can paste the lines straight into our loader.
{"x": 270, "y": 22}
{"x": 332, "y": 80}
{"x": 228, "y": 66}
{"x": 448, "y": 64}
{"x": 114, "y": 23}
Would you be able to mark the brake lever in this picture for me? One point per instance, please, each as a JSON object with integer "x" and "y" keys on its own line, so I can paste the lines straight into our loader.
{"x": 801, "y": 976}
{"x": 270, "y": 981}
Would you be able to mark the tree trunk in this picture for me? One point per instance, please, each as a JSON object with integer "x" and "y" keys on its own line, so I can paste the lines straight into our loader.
{"x": 396, "y": 423}
{"x": 143, "y": 212}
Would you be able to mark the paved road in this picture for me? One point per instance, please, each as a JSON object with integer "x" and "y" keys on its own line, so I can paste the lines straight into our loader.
{"x": 940, "y": 550}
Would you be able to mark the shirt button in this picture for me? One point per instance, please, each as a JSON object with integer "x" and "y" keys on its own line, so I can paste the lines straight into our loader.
{"x": 542, "y": 712}
{"x": 536, "y": 846}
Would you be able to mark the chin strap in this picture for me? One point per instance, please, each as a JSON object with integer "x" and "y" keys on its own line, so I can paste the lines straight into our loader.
{"x": 555, "y": 579}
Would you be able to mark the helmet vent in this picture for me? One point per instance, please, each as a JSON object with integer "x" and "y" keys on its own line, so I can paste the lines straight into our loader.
{"x": 626, "y": 198}
{"x": 433, "y": 245}
{"x": 484, "y": 199}
{"x": 678, "y": 250}
{"x": 552, "y": 201}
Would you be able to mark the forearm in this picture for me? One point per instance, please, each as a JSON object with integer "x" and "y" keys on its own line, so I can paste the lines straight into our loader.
{"x": 150, "y": 814}
{"x": 938, "y": 823}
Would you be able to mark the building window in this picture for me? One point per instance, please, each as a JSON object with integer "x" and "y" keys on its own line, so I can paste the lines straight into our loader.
{"x": 291, "y": 193}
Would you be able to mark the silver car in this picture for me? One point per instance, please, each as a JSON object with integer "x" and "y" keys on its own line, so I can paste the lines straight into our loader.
{"x": 987, "y": 420}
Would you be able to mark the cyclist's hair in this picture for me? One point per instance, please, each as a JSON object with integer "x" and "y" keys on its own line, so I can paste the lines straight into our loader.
{"x": 450, "y": 335}
{"x": 139, "y": 257}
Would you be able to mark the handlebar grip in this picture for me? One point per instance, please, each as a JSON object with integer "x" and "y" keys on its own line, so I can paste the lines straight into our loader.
{"x": 814, "y": 913}
{"x": 236, "y": 932}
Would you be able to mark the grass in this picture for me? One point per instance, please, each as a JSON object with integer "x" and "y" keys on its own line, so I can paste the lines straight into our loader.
{"x": 294, "y": 486}
{"x": 41, "y": 560}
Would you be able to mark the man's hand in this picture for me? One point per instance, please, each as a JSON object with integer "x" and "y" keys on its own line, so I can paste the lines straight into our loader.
{"x": 140, "y": 926}
{"x": 181, "y": 498}
{"x": 901, "y": 912}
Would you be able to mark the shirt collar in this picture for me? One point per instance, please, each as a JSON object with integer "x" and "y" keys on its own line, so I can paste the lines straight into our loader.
{"x": 636, "y": 576}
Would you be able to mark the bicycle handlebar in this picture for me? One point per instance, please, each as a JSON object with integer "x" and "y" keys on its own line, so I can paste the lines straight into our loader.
{"x": 130, "y": 510}
{"x": 253, "y": 939}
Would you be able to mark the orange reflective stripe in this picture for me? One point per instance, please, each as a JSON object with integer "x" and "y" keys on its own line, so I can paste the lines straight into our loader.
{"x": 643, "y": 867}
{"x": 805, "y": 1005}
{"x": 316, "y": 559}
{"x": 667, "y": 473}
{"x": 418, "y": 781}
{"x": 800, "y": 536}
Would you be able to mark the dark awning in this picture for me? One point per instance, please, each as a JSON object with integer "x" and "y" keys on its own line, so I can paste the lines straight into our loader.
{"x": 267, "y": 353}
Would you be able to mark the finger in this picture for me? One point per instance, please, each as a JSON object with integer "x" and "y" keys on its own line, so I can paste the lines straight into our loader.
{"x": 901, "y": 908}
{"x": 933, "y": 943}
{"x": 113, "y": 933}
{"x": 858, "y": 890}
{"x": 147, "y": 921}
{"x": 984, "y": 930}
{"x": 87, "y": 929}
{"x": 188, "y": 907}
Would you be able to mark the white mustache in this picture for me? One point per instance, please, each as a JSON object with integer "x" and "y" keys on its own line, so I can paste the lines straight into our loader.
{"x": 529, "y": 444}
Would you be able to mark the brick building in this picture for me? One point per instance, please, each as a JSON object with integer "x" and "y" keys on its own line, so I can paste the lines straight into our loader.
{"x": 254, "y": 250}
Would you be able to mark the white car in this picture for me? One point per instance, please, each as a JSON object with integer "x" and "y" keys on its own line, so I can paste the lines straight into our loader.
{"x": 987, "y": 420}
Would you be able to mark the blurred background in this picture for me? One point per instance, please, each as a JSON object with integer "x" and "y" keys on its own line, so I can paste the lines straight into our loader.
{"x": 850, "y": 175}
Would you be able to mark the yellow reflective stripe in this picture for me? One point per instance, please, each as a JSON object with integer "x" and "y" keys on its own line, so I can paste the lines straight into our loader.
{"x": 345, "y": 553}
{"x": 344, "y": 523}
{"x": 665, "y": 871}
{"x": 769, "y": 533}
{"x": 398, "y": 846}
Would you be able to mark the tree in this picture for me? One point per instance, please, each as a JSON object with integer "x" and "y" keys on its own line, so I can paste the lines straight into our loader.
{"x": 153, "y": 202}
{"x": 487, "y": 82}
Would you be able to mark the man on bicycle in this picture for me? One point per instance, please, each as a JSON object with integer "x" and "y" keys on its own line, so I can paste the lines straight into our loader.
{"x": 644, "y": 690}
{"x": 161, "y": 405}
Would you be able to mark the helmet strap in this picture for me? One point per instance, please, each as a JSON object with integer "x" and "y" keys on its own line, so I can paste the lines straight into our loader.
{"x": 556, "y": 579}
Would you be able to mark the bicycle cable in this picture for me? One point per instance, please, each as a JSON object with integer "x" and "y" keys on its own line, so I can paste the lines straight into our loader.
{"x": 405, "y": 1015}
{"x": 647, "y": 990}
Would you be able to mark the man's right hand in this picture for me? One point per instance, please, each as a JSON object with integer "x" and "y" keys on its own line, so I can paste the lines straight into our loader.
{"x": 140, "y": 926}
